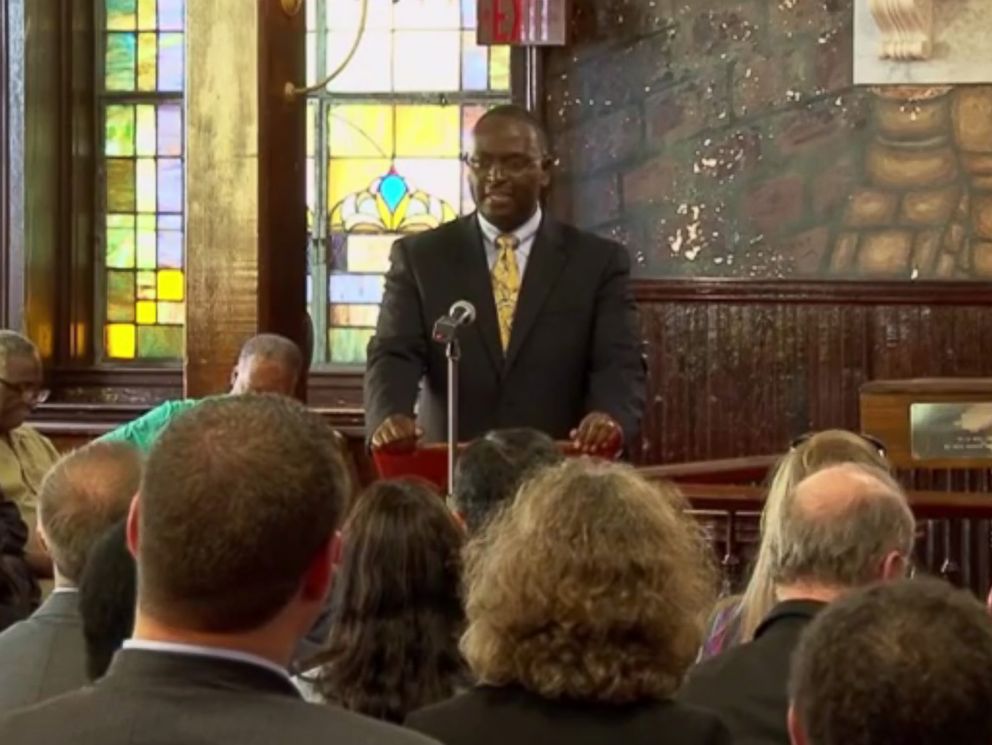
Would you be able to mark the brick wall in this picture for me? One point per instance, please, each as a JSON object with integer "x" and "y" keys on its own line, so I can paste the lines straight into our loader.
{"x": 724, "y": 138}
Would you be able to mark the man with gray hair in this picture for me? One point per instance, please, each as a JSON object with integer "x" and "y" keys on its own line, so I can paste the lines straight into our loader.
{"x": 844, "y": 527}
{"x": 88, "y": 491}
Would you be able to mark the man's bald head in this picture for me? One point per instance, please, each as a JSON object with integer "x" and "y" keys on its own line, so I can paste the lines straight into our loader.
{"x": 268, "y": 363}
{"x": 85, "y": 493}
{"x": 841, "y": 525}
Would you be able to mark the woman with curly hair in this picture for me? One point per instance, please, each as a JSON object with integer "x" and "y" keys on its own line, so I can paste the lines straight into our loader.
{"x": 396, "y": 606}
{"x": 585, "y": 604}
{"x": 737, "y": 617}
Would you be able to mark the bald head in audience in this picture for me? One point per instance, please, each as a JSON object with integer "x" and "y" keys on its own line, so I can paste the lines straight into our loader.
{"x": 85, "y": 493}
{"x": 268, "y": 363}
{"x": 847, "y": 525}
{"x": 904, "y": 663}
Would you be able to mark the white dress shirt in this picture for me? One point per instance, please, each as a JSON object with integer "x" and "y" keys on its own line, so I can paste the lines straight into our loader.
{"x": 525, "y": 234}
{"x": 214, "y": 652}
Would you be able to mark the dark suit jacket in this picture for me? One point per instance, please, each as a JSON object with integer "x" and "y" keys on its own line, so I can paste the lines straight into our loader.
{"x": 574, "y": 347}
{"x": 159, "y": 698}
{"x": 498, "y": 716}
{"x": 747, "y": 685}
{"x": 44, "y": 655}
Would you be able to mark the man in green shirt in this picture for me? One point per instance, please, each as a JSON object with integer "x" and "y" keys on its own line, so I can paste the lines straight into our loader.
{"x": 268, "y": 363}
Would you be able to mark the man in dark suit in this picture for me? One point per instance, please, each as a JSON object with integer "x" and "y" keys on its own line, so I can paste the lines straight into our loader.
{"x": 555, "y": 342}
{"x": 845, "y": 526}
{"x": 87, "y": 492}
{"x": 234, "y": 539}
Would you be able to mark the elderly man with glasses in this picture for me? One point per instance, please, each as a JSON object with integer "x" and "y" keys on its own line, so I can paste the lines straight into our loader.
{"x": 25, "y": 454}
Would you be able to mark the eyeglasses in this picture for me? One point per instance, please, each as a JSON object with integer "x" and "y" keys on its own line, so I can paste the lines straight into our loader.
{"x": 511, "y": 165}
{"x": 30, "y": 392}
{"x": 870, "y": 439}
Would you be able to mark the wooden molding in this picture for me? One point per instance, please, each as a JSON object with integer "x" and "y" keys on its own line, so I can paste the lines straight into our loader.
{"x": 811, "y": 292}
{"x": 906, "y": 26}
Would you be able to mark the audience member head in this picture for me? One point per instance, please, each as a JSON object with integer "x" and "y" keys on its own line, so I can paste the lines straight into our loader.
{"x": 234, "y": 528}
{"x": 106, "y": 599}
{"x": 845, "y": 526}
{"x": 590, "y": 586}
{"x": 20, "y": 379}
{"x": 397, "y": 611}
{"x": 807, "y": 454}
{"x": 509, "y": 166}
{"x": 268, "y": 363}
{"x": 903, "y": 662}
{"x": 491, "y": 469}
{"x": 85, "y": 493}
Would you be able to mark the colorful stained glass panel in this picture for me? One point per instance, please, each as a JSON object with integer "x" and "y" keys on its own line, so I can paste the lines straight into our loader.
{"x": 415, "y": 70}
{"x": 147, "y": 249}
{"x": 121, "y": 14}
{"x": 355, "y": 288}
{"x": 170, "y": 129}
{"x": 120, "y": 185}
{"x": 160, "y": 342}
{"x": 170, "y": 185}
{"x": 147, "y": 285}
{"x": 427, "y": 14}
{"x": 499, "y": 68}
{"x": 146, "y": 14}
{"x": 370, "y": 70}
{"x": 146, "y": 184}
{"x": 347, "y": 345}
{"x": 427, "y": 131}
{"x": 470, "y": 12}
{"x": 170, "y": 285}
{"x": 171, "y": 14}
{"x": 147, "y": 58}
{"x": 120, "y": 62}
{"x": 361, "y": 131}
{"x": 346, "y": 14}
{"x": 119, "y": 130}
{"x": 369, "y": 253}
{"x": 172, "y": 313}
{"x": 145, "y": 143}
{"x": 475, "y": 64}
{"x": 120, "y": 241}
{"x": 170, "y": 62}
{"x": 354, "y": 315}
{"x": 120, "y": 296}
{"x": 120, "y": 341}
{"x": 145, "y": 312}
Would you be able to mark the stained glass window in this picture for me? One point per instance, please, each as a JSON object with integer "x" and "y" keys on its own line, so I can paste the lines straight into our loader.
{"x": 384, "y": 141}
{"x": 141, "y": 191}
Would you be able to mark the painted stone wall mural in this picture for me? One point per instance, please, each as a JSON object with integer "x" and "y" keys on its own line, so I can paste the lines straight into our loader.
{"x": 727, "y": 138}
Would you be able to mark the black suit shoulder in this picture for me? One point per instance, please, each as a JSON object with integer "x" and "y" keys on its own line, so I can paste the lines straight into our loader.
{"x": 498, "y": 715}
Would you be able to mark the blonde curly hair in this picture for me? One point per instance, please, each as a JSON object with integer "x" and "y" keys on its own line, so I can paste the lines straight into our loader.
{"x": 592, "y": 585}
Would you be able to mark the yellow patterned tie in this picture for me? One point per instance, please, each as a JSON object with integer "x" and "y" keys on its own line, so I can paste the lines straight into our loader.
{"x": 506, "y": 285}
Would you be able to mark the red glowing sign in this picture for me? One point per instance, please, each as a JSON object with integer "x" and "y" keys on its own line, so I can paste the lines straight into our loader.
{"x": 523, "y": 22}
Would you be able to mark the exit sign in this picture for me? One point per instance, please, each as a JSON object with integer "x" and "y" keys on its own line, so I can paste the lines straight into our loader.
{"x": 523, "y": 22}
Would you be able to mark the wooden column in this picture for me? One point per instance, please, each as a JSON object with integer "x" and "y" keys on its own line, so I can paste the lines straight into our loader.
{"x": 245, "y": 195}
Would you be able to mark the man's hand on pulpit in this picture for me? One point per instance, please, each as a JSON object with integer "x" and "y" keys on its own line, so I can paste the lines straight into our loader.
{"x": 598, "y": 433}
{"x": 398, "y": 432}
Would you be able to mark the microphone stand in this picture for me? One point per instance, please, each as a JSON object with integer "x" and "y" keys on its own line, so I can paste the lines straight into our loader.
{"x": 453, "y": 352}
{"x": 446, "y": 332}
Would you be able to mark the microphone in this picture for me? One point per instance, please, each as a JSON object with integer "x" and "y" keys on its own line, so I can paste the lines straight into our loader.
{"x": 461, "y": 313}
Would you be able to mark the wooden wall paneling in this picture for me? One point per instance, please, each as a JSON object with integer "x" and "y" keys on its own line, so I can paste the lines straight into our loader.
{"x": 738, "y": 368}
